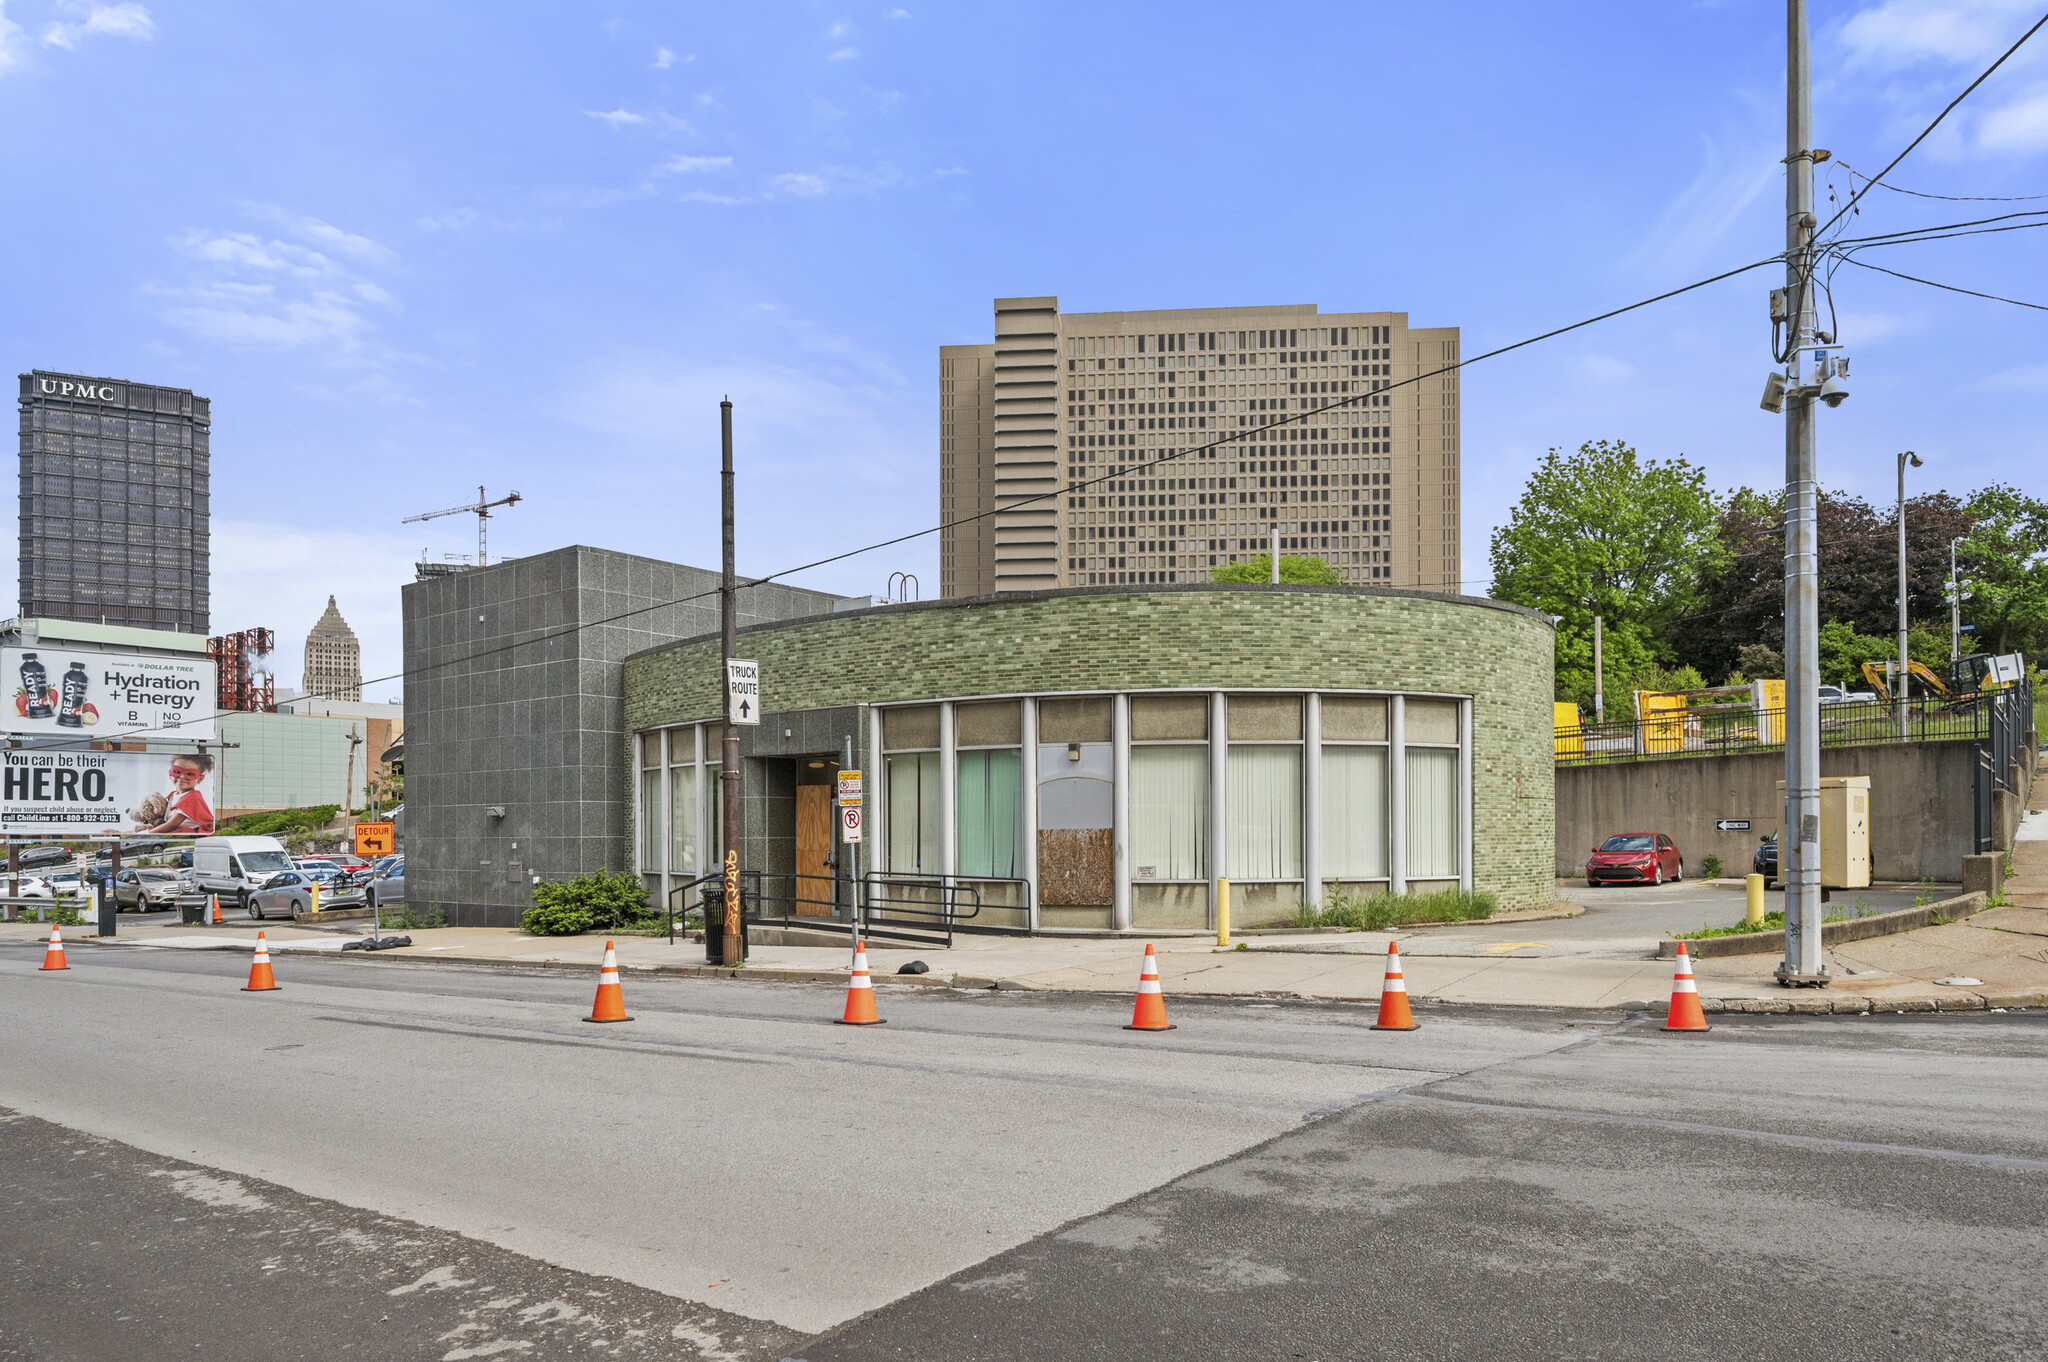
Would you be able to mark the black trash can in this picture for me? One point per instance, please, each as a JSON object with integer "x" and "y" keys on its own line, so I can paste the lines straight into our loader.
{"x": 109, "y": 907}
{"x": 191, "y": 914}
{"x": 714, "y": 925}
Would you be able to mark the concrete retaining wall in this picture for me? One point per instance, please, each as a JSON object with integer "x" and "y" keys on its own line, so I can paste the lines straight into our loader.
{"x": 1920, "y": 823}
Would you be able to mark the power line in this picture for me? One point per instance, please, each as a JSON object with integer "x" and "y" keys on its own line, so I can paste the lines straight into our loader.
{"x": 1850, "y": 260}
{"x": 1855, "y": 174}
{"x": 1929, "y": 129}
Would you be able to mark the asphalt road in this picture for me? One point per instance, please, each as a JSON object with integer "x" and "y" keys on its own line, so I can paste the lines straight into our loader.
{"x": 993, "y": 1175}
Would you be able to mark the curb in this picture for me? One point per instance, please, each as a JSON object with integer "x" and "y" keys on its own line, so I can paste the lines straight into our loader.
{"x": 1831, "y": 933}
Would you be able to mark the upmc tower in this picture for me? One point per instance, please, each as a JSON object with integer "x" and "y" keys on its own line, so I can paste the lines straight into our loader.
{"x": 114, "y": 505}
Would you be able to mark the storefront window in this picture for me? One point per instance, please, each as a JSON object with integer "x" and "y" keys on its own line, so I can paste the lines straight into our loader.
{"x": 1170, "y": 813}
{"x": 1264, "y": 811}
{"x": 1354, "y": 813}
{"x": 650, "y": 822}
{"x": 913, "y": 795}
{"x": 989, "y": 815}
{"x": 1432, "y": 774}
{"x": 682, "y": 802}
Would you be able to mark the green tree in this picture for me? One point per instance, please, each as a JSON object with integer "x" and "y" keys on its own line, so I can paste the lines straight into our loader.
{"x": 1294, "y": 570}
{"x": 1601, "y": 531}
{"x": 2003, "y": 565}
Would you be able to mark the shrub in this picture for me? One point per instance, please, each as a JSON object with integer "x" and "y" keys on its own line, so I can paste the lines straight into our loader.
{"x": 280, "y": 823}
{"x": 605, "y": 901}
{"x": 405, "y": 917}
{"x": 1378, "y": 911}
{"x": 1710, "y": 867}
{"x": 555, "y": 919}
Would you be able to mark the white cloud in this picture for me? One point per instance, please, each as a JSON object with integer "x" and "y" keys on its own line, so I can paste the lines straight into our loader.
{"x": 1605, "y": 370}
{"x": 453, "y": 220}
{"x": 618, "y": 118}
{"x": 1734, "y": 169}
{"x": 839, "y": 30}
{"x": 13, "y": 47}
{"x": 899, "y": 14}
{"x": 2028, "y": 378}
{"x": 2021, "y": 126}
{"x": 684, "y": 165}
{"x": 844, "y": 54}
{"x": 663, "y": 59}
{"x": 1899, "y": 33}
{"x": 252, "y": 292}
{"x": 126, "y": 20}
{"x": 803, "y": 186}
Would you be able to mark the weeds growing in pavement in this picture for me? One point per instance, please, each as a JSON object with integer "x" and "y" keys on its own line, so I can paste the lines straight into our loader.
{"x": 1710, "y": 867}
{"x": 1378, "y": 911}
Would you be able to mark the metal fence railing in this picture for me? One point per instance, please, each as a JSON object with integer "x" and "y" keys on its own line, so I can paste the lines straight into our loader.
{"x": 1983, "y": 717}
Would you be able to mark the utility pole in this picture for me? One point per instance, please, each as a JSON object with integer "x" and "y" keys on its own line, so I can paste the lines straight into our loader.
{"x": 728, "y": 630}
{"x": 1274, "y": 556}
{"x": 1905, "y": 676}
{"x": 1599, "y": 678}
{"x": 1955, "y": 606}
{"x": 1799, "y": 841}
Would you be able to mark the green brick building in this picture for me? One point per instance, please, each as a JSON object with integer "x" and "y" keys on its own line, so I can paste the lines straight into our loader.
{"x": 1100, "y": 757}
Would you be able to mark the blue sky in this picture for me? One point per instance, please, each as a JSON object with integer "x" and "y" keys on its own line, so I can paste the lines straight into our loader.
{"x": 407, "y": 249}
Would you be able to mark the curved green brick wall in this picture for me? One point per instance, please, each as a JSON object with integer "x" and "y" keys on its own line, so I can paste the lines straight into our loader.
{"x": 1206, "y": 637}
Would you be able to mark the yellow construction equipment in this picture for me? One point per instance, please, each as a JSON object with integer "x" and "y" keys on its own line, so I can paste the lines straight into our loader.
{"x": 1875, "y": 676}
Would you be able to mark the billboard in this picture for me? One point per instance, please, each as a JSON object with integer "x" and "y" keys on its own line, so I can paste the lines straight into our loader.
{"x": 72, "y": 693}
{"x": 60, "y": 794}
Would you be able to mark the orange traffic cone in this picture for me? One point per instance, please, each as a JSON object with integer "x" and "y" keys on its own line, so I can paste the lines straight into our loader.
{"x": 860, "y": 992}
{"x": 1394, "y": 1013}
{"x": 611, "y": 999}
{"x": 1686, "y": 1013}
{"x": 260, "y": 980}
{"x": 215, "y": 900}
{"x": 1150, "y": 1012}
{"x": 53, "y": 954}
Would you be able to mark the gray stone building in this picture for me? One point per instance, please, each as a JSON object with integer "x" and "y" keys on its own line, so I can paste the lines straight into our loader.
{"x": 115, "y": 513}
{"x": 516, "y": 743}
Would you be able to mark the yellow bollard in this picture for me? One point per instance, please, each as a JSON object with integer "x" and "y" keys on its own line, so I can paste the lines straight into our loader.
{"x": 316, "y": 898}
{"x": 1755, "y": 885}
{"x": 1223, "y": 912}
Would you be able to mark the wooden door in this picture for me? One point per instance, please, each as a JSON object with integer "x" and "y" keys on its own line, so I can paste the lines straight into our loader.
{"x": 813, "y": 845}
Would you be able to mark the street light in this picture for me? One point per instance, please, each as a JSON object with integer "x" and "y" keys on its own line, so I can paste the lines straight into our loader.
{"x": 1904, "y": 679}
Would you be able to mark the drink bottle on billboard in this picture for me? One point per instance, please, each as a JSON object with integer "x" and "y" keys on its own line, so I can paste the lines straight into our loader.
{"x": 71, "y": 705}
{"x": 35, "y": 686}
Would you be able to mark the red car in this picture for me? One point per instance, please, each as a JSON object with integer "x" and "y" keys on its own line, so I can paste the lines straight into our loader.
{"x": 1635, "y": 858}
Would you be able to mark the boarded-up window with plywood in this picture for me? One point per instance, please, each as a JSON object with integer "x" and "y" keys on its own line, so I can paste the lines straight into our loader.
{"x": 1076, "y": 772}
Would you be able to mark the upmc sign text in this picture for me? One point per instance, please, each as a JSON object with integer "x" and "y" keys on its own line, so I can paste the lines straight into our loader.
{"x": 64, "y": 387}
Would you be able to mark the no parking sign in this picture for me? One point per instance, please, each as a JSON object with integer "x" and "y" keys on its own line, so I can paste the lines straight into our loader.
{"x": 849, "y": 822}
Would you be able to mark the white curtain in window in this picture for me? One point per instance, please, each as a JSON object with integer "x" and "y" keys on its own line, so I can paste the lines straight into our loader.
{"x": 1432, "y": 813}
{"x": 1355, "y": 813}
{"x": 1265, "y": 812}
{"x": 1170, "y": 812}
{"x": 650, "y": 821}
{"x": 913, "y": 795}
{"x": 682, "y": 831}
{"x": 989, "y": 815}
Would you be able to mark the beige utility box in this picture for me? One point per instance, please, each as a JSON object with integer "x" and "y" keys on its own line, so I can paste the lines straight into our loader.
{"x": 1844, "y": 832}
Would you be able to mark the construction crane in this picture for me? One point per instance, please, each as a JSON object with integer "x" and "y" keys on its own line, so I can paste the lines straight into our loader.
{"x": 481, "y": 509}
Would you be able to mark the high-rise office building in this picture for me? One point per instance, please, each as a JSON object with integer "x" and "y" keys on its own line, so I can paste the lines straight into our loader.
{"x": 114, "y": 504}
{"x": 334, "y": 662}
{"x": 1199, "y": 434}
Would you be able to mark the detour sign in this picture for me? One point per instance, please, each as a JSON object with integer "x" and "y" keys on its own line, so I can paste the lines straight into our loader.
{"x": 375, "y": 839}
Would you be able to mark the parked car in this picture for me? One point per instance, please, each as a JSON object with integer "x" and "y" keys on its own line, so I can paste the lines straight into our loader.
{"x": 43, "y": 858}
{"x": 31, "y": 887}
{"x": 147, "y": 889}
{"x": 347, "y": 860}
{"x": 1765, "y": 862}
{"x": 287, "y": 892}
{"x": 387, "y": 885}
{"x": 1635, "y": 858}
{"x": 146, "y": 845}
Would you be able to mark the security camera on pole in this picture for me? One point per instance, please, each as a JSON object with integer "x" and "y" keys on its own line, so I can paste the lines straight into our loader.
{"x": 1812, "y": 370}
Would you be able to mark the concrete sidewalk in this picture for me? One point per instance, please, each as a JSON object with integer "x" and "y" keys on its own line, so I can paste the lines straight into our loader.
{"x": 2005, "y": 949}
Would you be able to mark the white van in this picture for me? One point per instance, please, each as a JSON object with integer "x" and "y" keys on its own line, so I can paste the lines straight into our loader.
{"x": 235, "y": 867}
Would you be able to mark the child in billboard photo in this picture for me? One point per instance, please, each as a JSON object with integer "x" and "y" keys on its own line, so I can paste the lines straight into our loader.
{"x": 185, "y": 810}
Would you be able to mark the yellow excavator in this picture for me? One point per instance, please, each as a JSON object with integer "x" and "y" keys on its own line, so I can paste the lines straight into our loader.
{"x": 1875, "y": 676}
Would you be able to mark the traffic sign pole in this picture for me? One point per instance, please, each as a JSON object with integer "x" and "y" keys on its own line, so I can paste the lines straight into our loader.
{"x": 853, "y": 897}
